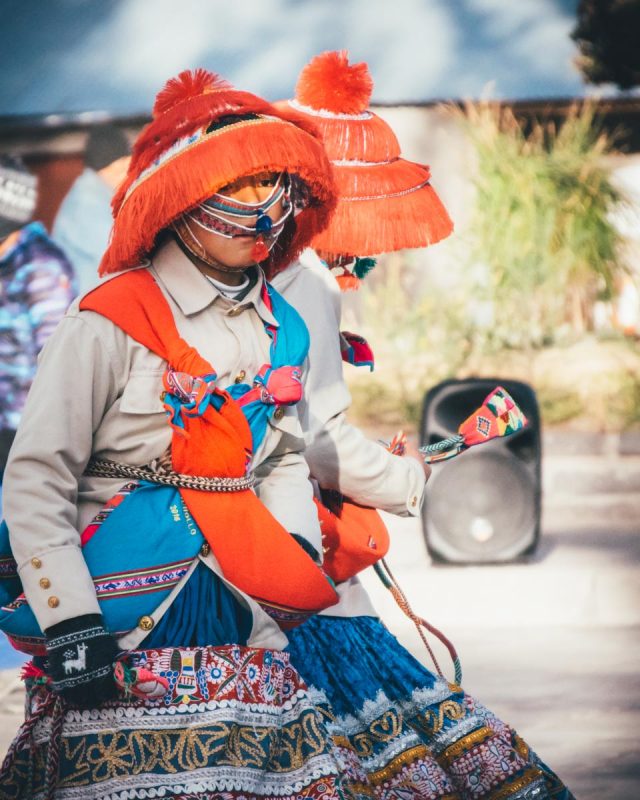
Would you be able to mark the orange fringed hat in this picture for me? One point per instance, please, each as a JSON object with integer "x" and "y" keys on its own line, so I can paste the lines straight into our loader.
{"x": 385, "y": 202}
{"x": 183, "y": 157}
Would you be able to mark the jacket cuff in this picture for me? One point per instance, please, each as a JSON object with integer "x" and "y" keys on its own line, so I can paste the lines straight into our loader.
{"x": 417, "y": 485}
{"x": 58, "y": 586}
{"x": 414, "y": 482}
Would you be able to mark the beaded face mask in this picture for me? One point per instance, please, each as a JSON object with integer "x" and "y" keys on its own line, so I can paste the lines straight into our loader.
{"x": 212, "y": 215}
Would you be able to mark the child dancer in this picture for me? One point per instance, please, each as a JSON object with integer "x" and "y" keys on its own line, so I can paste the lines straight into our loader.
{"x": 405, "y": 732}
{"x": 128, "y": 493}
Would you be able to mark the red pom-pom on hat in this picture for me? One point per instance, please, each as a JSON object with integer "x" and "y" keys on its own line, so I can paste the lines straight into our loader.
{"x": 330, "y": 83}
{"x": 186, "y": 85}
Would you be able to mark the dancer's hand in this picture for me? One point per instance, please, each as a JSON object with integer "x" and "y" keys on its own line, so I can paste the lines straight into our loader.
{"x": 411, "y": 451}
{"x": 81, "y": 655}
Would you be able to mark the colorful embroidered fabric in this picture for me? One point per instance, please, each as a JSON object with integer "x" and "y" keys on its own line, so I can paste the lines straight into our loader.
{"x": 213, "y": 436}
{"x": 37, "y": 283}
{"x": 499, "y": 415}
{"x": 275, "y": 384}
{"x": 356, "y": 350}
{"x": 132, "y": 574}
{"x": 236, "y": 723}
{"x": 401, "y": 731}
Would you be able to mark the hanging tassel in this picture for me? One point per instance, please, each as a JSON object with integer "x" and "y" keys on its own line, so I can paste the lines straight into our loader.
{"x": 363, "y": 267}
{"x": 260, "y": 250}
{"x": 398, "y": 445}
{"x": 348, "y": 282}
{"x": 52, "y": 705}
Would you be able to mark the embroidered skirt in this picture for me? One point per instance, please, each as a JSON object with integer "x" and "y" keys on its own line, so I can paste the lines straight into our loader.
{"x": 236, "y": 723}
{"x": 403, "y": 733}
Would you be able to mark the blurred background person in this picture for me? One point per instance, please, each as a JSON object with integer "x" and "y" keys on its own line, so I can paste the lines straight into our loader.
{"x": 36, "y": 286}
{"x": 83, "y": 222}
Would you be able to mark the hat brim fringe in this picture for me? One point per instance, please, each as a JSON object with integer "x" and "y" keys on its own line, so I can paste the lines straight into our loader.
{"x": 386, "y": 224}
{"x": 196, "y": 173}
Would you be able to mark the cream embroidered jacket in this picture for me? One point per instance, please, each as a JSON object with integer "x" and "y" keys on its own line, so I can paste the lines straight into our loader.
{"x": 97, "y": 392}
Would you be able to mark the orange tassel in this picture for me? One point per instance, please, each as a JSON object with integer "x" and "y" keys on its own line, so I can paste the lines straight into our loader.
{"x": 174, "y": 124}
{"x": 260, "y": 250}
{"x": 330, "y": 83}
{"x": 187, "y": 85}
{"x": 348, "y": 282}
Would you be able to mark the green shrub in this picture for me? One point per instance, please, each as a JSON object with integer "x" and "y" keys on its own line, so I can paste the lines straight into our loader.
{"x": 541, "y": 227}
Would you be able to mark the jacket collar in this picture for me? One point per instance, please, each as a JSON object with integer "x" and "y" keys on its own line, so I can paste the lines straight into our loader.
{"x": 193, "y": 293}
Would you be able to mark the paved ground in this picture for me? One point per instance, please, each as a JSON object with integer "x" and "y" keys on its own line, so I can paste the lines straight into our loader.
{"x": 552, "y": 645}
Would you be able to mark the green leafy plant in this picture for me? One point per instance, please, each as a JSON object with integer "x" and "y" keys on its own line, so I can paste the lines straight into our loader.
{"x": 514, "y": 292}
{"x": 541, "y": 230}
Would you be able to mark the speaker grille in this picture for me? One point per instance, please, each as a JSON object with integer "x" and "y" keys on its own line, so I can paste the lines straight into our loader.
{"x": 481, "y": 506}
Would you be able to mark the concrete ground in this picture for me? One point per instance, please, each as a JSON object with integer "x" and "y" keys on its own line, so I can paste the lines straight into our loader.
{"x": 551, "y": 645}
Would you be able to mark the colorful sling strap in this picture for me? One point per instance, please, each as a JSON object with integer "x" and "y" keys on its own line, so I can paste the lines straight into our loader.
{"x": 356, "y": 350}
{"x": 214, "y": 435}
{"x": 499, "y": 415}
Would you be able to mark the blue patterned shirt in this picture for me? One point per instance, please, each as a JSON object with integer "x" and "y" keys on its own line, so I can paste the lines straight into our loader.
{"x": 37, "y": 284}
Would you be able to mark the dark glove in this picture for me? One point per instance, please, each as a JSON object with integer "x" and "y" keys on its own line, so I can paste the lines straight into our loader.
{"x": 81, "y": 654}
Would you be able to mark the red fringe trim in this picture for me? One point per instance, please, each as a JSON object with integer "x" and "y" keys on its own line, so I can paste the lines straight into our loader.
{"x": 382, "y": 226}
{"x": 182, "y": 120}
{"x": 368, "y": 139}
{"x": 195, "y": 174}
{"x": 390, "y": 179}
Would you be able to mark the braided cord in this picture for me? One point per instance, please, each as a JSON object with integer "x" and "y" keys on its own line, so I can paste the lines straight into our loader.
{"x": 388, "y": 579}
{"x": 24, "y": 741}
{"x": 105, "y": 468}
{"x": 53, "y": 753}
{"x": 443, "y": 444}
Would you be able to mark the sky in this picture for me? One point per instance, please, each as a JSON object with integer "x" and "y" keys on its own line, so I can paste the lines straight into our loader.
{"x": 63, "y": 56}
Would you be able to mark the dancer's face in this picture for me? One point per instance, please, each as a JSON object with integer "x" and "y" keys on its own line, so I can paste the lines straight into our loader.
{"x": 235, "y": 253}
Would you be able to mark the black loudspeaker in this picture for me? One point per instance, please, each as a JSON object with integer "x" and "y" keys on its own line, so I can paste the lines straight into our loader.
{"x": 483, "y": 505}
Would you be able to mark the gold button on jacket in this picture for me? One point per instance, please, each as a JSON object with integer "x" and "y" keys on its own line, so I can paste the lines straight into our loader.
{"x": 146, "y": 623}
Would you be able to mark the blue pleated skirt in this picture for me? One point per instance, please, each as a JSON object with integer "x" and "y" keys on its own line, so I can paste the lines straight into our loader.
{"x": 405, "y": 733}
{"x": 204, "y": 614}
{"x": 399, "y": 731}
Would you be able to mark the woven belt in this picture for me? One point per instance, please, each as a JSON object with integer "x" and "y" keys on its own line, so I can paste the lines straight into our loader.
{"x": 105, "y": 468}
